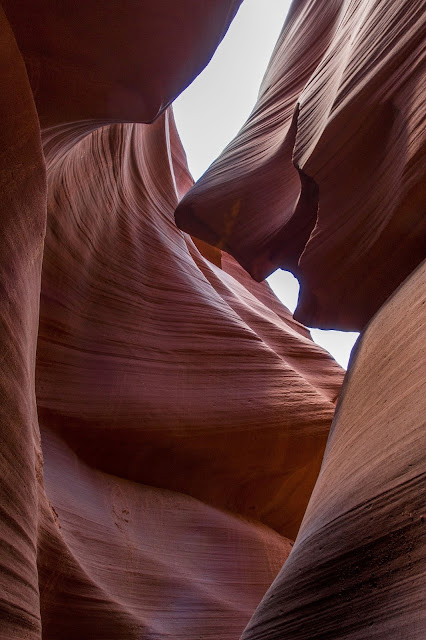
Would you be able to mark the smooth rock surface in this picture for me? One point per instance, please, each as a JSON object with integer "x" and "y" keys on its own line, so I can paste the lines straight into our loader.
{"x": 172, "y": 371}
{"x": 162, "y": 380}
{"x": 327, "y": 177}
{"x": 118, "y": 559}
{"x": 358, "y": 566}
{"x": 183, "y": 412}
{"x": 114, "y": 61}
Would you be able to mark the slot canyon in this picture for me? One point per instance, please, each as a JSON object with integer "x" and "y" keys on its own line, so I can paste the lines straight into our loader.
{"x": 179, "y": 459}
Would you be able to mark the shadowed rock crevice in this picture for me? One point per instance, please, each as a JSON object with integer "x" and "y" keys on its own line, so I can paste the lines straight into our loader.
{"x": 359, "y": 136}
{"x": 298, "y": 229}
{"x": 286, "y": 247}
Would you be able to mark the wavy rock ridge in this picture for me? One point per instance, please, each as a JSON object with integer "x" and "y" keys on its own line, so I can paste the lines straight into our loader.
{"x": 326, "y": 178}
{"x": 160, "y": 451}
{"x": 163, "y": 416}
{"x": 173, "y": 374}
{"x": 357, "y": 568}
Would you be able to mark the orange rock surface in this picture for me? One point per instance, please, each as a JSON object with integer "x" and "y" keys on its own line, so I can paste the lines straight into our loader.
{"x": 327, "y": 176}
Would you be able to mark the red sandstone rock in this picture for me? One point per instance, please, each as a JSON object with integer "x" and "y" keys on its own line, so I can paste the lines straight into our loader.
{"x": 23, "y": 220}
{"x": 326, "y": 178}
{"x": 183, "y": 411}
{"x": 172, "y": 372}
{"x": 118, "y": 559}
{"x": 156, "y": 367}
{"x": 357, "y": 569}
{"x": 114, "y": 61}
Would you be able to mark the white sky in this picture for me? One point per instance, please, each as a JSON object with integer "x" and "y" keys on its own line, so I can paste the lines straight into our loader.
{"x": 215, "y": 106}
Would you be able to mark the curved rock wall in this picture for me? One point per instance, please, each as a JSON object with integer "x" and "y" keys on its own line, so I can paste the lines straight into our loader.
{"x": 23, "y": 222}
{"x": 183, "y": 411}
{"x": 171, "y": 369}
{"x": 326, "y": 178}
{"x": 357, "y": 569}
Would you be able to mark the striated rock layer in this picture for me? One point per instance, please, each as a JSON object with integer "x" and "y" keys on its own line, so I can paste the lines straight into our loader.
{"x": 173, "y": 372}
{"x": 183, "y": 412}
{"x": 117, "y": 559}
{"x": 327, "y": 176}
{"x": 357, "y": 569}
{"x": 159, "y": 450}
{"x": 23, "y": 221}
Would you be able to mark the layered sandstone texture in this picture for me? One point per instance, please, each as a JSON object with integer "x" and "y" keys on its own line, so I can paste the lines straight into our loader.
{"x": 23, "y": 222}
{"x": 357, "y": 569}
{"x": 163, "y": 416}
{"x": 183, "y": 413}
{"x": 327, "y": 176}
